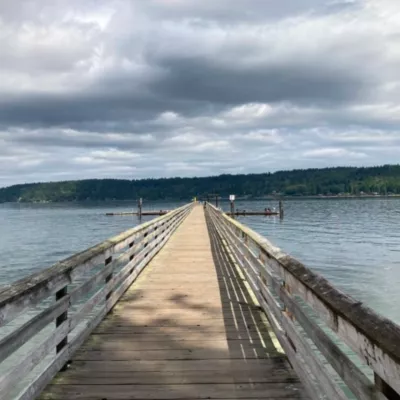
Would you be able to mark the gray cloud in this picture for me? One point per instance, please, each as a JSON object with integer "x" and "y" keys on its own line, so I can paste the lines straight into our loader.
{"x": 192, "y": 79}
{"x": 171, "y": 87}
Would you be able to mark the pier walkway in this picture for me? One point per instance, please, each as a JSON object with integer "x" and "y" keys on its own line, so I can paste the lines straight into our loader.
{"x": 186, "y": 329}
{"x": 191, "y": 305}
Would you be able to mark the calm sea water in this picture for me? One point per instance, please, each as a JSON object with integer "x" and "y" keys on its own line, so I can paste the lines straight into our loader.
{"x": 34, "y": 236}
{"x": 353, "y": 242}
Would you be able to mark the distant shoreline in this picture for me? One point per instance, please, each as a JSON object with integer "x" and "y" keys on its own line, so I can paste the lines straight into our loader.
{"x": 326, "y": 183}
{"x": 223, "y": 199}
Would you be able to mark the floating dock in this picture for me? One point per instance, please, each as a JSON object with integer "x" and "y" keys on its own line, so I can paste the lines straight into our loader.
{"x": 244, "y": 213}
{"x": 143, "y": 213}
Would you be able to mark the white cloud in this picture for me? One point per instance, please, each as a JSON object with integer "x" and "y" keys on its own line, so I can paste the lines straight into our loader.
{"x": 168, "y": 117}
{"x": 246, "y": 112}
{"x": 267, "y": 136}
{"x": 333, "y": 153}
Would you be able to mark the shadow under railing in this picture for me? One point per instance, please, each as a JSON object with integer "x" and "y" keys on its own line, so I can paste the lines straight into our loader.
{"x": 248, "y": 331}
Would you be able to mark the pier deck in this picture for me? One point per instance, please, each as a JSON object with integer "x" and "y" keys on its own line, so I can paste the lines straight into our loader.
{"x": 188, "y": 328}
{"x": 191, "y": 305}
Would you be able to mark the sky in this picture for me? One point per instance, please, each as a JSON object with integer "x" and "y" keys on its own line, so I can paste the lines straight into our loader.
{"x": 158, "y": 88}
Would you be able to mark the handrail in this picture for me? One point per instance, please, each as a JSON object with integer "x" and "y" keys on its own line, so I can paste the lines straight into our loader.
{"x": 313, "y": 320}
{"x": 76, "y": 294}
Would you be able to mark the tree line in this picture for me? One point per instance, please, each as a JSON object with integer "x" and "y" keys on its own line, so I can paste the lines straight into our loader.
{"x": 307, "y": 182}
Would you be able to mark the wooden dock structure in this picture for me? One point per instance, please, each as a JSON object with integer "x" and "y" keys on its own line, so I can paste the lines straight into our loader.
{"x": 191, "y": 305}
{"x": 143, "y": 213}
{"x": 252, "y": 213}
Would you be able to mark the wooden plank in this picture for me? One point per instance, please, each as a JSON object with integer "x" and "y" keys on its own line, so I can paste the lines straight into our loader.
{"x": 151, "y": 335}
{"x": 85, "y": 310}
{"x": 238, "y": 322}
{"x": 112, "y": 344}
{"x": 134, "y": 302}
{"x": 181, "y": 330}
{"x": 317, "y": 365}
{"x": 167, "y": 320}
{"x": 36, "y": 386}
{"x": 128, "y": 313}
{"x": 91, "y": 283}
{"x": 242, "y": 375}
{"x": 376, "y": 351}
{"x": 309, "y": 380}
{"x": 168, "y": 392}
{"x": 29, "y": 361}
{"x": 17, "y": 338}
{"x": 174, "y": 354}
{"x": 358, "y": 383}
{"x": 277, "y": 362}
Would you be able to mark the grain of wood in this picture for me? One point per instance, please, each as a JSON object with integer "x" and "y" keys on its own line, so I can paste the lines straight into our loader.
{"x": 186, "y": 329}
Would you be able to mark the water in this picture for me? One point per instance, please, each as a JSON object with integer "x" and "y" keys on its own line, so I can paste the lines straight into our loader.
{"x": 355, "y": 243}
{"x": 34, "y": 236}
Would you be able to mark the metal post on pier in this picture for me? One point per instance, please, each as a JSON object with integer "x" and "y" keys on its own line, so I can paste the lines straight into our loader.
{"x": 216, "y": 200}
{"x": 140, "y": 202}
{"x": 232, "y": 200}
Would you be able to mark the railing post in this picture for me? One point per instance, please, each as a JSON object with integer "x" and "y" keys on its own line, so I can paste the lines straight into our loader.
{"x": 280, "y": 208}
{"x": 140, "y": 203}
{"x": 232, "y": 200}
{"x": 132, "y": 256}
{"x": 108, "y": 277}
{"x": 383, "y": 387}
{"x": 60, "y": 320}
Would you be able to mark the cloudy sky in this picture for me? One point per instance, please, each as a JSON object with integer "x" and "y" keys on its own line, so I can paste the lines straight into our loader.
{"x": 154, "y": 88}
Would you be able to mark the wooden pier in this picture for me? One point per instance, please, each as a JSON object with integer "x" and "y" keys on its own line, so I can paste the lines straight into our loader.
{"x": 186, "y": 329}
{"x": 191, "y": 305}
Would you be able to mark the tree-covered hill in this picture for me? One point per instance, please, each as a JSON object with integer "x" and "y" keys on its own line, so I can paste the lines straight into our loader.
{"x": 309, "y": 182}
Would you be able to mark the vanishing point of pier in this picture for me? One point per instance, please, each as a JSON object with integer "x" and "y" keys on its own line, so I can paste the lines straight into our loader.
{"x": 191, "y": 305}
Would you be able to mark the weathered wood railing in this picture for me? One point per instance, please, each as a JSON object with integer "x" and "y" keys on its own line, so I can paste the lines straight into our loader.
{"x": 321, "y": 329}
{"x": 47, "y": 316}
